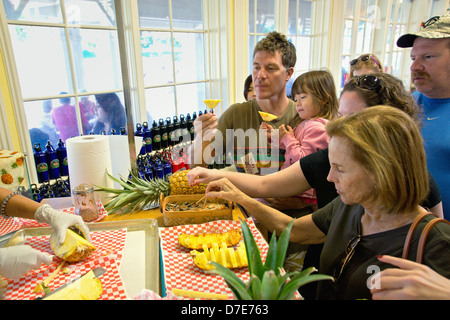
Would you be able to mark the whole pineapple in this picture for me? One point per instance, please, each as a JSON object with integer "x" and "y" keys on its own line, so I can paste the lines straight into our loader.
{"x": 138, "y": 193}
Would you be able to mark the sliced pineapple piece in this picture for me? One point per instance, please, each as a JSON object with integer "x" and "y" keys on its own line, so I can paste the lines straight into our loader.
{"x": 196, "y": 241}
{"x": 226, "y": 256}
{"x": 211, "y": 103}
{"x": 267, "y": 116}
{"x": 88, "y": 287}
{"x": 75, "y": 248}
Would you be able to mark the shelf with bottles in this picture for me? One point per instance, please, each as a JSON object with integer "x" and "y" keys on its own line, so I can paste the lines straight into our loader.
{"x": 52, "y": 170}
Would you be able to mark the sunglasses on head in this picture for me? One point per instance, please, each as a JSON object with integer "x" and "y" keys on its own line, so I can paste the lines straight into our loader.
{"x": 365, "y": 58}
{"x": 368, "y": 81}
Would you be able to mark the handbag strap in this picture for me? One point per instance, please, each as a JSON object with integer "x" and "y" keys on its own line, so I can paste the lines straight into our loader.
{"x": 424, "y": 235}
{"x": 411, "y": 230}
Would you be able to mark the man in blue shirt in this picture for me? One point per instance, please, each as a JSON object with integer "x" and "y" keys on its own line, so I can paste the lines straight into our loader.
{"x": 430, "y": 74}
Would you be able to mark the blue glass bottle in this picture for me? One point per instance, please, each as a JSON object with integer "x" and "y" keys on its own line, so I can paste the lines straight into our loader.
{"x": 61, "y": 153}
{"x": 52, "y": 161}
{"x": 41, "y": 163}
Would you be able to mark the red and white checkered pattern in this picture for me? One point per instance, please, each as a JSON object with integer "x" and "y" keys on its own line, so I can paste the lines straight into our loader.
{"x": 13, "y": 224}
{"x": 108, "y": 255}
{"x": 180, "y": 272}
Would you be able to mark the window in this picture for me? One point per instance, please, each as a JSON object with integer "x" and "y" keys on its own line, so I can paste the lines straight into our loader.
{"x": 300, "y": 31}
{"x": 373, "y": 26}
{"x": 261, "y": 17}
{"x": 66, "y": 55}
{"x": 172, "y": 42}
{"x": 359, "y": 25}
{"x": 398, "y": 24}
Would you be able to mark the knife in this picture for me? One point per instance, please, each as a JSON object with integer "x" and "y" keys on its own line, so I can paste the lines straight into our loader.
{"x": 97, "y": 272}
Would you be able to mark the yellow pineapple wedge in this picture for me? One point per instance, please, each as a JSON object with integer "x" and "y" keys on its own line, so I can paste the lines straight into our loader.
{"x": 225, "y": 256}
{"x": 267, "y": 116}
{"x": 75, "y": 248}
{"x": 138, "y": 193}
{"x": 88, "y": 287}
{"x": 197, "y": 241}
{"x": 211, "y": 103}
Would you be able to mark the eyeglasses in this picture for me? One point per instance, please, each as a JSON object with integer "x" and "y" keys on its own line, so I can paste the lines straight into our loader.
{"x": 365, "y": 58}
{"x": 349, "y": 252}
{"x": 368, "y": 81}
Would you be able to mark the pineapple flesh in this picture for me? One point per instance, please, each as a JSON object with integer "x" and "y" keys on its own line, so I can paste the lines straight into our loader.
{"x": 267, "y": 116}
{"x": 211, "y": 103}
{"x": 138, "y": 193}
{"x": 225, "y": 256}
{"x": 197, "y": 241}
{"x": 88, "y": 287}
{"x": 75, "y": 248}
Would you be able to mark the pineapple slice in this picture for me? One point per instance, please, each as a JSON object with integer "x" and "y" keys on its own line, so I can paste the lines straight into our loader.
{"x": 75, "y": 248}
{"x": 267, "y": 116}
{"x": 226, "y": 256}
{"x": 211, "y": 103}
{"x": 89, "y": 287}
{"x": 196, "y": 241}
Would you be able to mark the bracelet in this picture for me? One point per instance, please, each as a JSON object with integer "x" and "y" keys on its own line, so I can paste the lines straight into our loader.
{"x": 3, "y": 206}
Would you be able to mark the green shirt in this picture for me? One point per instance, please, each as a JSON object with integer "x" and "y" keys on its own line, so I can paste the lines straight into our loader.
{"x": 239, "y": 126}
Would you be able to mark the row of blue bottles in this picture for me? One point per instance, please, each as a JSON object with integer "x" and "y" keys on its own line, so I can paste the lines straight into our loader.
{"x": 61, "y": 188}
{"x": 154, "y": 166}
{"x": 165, "y": 133}
{"x": 51, "y": 163}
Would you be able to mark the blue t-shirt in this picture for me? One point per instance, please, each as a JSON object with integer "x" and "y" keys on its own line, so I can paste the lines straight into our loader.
{"x": 436, "y": 136}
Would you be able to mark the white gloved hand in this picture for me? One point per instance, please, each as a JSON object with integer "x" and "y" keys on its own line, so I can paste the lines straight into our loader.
{"x": 17, "y": 261}
{"x": 60, "y": 221}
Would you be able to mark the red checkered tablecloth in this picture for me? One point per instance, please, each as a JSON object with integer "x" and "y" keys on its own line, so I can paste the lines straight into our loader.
{"x": 180, "y": 272}
{"x": 108, "y": 255}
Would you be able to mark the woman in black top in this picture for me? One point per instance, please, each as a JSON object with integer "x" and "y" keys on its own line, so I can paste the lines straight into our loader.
{"x": 379, "y": 170}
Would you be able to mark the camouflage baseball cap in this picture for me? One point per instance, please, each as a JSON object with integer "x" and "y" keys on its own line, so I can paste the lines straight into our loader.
{"x": 435, "y": 28}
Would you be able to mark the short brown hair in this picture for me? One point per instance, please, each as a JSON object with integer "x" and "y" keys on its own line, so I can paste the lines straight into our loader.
{"x": 275, "y": 41}
{"x": 388, "y": 144}
{"x": 320, "y": 83}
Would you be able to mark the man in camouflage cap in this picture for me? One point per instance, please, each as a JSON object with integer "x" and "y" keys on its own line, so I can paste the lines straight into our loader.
{"x": 430, "y": 74}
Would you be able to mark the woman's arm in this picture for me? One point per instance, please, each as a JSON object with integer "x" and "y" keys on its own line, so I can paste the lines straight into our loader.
{"x": 303, "y": 231}
{"x": 18, "y": 205}
{"x": 285, "y": 183}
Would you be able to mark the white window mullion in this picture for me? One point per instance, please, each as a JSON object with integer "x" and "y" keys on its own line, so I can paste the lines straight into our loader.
{"x": 241, "y": 52}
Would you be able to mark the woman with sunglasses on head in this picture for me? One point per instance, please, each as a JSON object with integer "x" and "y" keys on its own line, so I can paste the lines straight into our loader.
{"x": 365, "y": 64}
{"x": 378, "y": 167}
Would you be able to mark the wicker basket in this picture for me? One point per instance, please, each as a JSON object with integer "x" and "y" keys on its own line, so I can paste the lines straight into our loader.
{"x": 176, "y": 218}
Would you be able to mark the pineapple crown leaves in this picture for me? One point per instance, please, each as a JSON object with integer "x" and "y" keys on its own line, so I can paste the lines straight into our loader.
{"x": 136, "y": 193}
{"x": 266, "y": 281}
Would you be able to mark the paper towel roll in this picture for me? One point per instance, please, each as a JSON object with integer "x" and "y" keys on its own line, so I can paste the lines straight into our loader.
{"x": 120, "y": 155}
{"x": 89, "y": 158}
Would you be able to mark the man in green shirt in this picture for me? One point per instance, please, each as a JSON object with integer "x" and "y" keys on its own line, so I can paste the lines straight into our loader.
{"x": 236, "y": 132}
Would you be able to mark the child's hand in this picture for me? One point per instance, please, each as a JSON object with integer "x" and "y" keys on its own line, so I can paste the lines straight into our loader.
{"x": 284, "y": 130}
{"x": 265, "y": 126}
